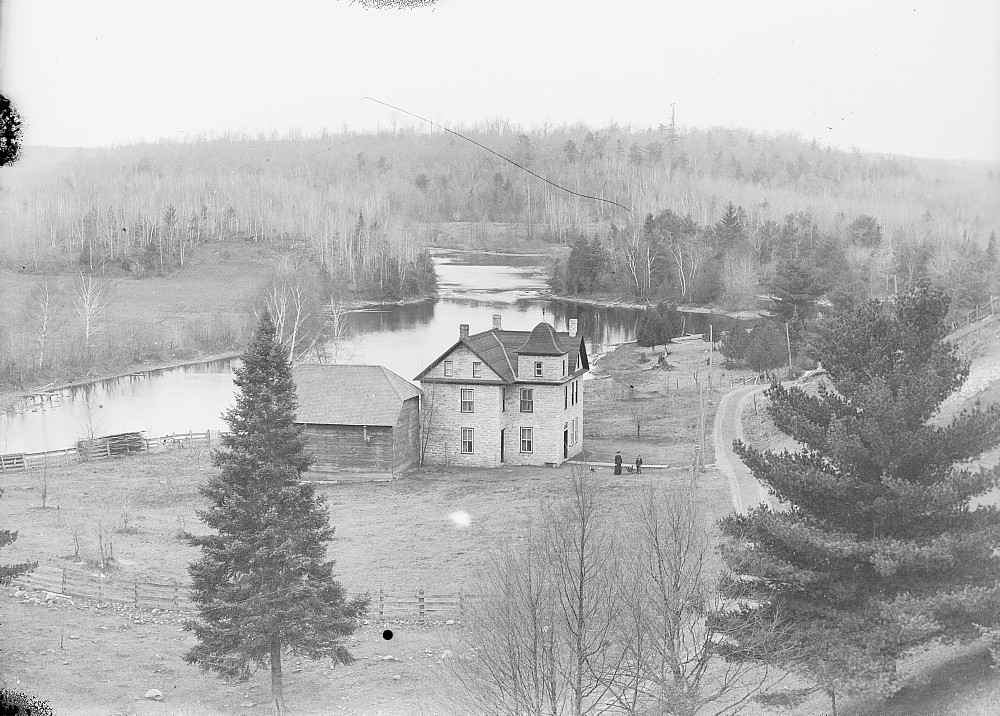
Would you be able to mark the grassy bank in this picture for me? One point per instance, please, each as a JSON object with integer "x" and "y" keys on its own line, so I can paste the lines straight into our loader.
{"x": 199, "y": 312}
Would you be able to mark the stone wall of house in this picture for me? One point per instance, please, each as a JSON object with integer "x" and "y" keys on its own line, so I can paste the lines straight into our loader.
{"x": 462, "y": 359}
{"x": 550, "y": 416}
{"x": 443, "y": 421}
{"x": 553, "y": 367}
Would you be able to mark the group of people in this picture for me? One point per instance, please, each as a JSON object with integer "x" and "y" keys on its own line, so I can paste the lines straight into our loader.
{"x": 618, "y": 463}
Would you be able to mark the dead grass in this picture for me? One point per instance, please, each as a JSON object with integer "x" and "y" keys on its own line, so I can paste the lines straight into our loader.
{"x": 211, "y": 291}
{"x": 664, "y": 401}
{"x": 395, "y": 536}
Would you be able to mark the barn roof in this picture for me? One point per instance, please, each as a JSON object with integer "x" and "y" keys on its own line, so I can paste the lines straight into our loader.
{"x": 350, "y": 394}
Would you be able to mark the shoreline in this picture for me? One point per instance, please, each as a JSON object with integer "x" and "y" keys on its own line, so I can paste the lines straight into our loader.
{"x": 8, "y": 398}
{"x": 742, "y": 315}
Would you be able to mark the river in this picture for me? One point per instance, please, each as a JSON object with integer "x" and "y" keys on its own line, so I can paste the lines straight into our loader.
{"x": 403, "y": 338}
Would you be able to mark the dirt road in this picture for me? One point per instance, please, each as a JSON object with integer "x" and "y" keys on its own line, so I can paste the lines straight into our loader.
{"x": 746, "y": 491}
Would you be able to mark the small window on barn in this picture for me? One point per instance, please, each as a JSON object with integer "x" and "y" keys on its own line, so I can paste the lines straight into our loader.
{"x": 468, "y": 400}
{"x": 526, "y": 440}
{"x": 449, "y": 368}
{"x": 527, "y": 400}
{"x": 538, "y": 369}
{"x": 467, "y": 442}
{"x": 477, "y": 369}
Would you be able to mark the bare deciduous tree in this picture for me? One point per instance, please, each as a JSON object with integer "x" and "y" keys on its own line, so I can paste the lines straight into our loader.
{"x": 674, "y": 624}
{"x": 571, "y": 620}
{"x": 91, "y": 302}
{"x": 43, "y": 312}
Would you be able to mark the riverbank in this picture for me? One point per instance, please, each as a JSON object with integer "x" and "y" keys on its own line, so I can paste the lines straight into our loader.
{"x": 609, "y": 302}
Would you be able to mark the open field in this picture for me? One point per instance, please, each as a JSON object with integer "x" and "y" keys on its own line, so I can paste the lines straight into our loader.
{"x": 394, "y": 536}
{"x": 179, "y": 316}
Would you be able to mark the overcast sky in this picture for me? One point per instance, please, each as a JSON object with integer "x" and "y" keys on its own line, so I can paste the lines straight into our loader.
{"x": 916, "y": 78}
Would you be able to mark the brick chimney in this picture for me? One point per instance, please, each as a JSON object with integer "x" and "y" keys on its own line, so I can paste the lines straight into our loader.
{"x": 496, "y": 321}
{"x": 463, "y": 330}
{"x": 573, "y": 323}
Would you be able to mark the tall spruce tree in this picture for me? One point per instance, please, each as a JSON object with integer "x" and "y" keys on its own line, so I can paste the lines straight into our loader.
{"x": 881, "y": 548}
{"x": 263, "y": 584}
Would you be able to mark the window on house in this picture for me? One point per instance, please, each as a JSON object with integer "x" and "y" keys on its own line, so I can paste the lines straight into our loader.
{"x": 503, "y": 400}
{"x": 576, "y": 394}
{"x": 564, "y": 366}
{"x": 565, "y": 396}
{"x": 467, "y": 442}
{"x": 527, "y": 400}
{"x": 538, "y": 369}
{"x": 526, "y": 440}
{"x": 468, "y": 400}
{"x": 449, "y": 368}
{"x": 477, "y": 369}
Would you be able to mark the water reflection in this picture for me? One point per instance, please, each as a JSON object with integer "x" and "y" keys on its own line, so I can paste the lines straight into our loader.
{"x": 404, "y": 338}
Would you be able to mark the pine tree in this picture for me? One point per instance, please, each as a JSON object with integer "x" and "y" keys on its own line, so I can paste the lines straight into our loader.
{"x": 263, "y": 584}
{"x": 657, "y": 325}
{"x": 991, "y": 248}
{"x": 881, "y": 549}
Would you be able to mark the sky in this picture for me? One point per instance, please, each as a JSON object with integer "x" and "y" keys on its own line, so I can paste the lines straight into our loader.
{"x": 914, "y": 78}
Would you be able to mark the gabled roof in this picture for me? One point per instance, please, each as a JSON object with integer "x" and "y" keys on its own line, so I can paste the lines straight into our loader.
{"x": 499, "y": 349}
{"x": 350, "y": 394}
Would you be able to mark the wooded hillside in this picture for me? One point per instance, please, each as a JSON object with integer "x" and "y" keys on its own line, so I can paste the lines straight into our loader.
{"x": 366, "y": 203}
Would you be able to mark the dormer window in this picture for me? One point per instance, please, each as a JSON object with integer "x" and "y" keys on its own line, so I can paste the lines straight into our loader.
{"x": 477, "y": 369}
{"x": 538, "y": 369}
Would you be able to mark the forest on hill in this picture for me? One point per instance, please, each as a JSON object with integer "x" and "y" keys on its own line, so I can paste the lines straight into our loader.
{"x": 710, "y": 217}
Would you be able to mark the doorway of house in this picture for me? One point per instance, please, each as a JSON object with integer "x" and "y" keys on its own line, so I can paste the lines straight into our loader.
{"x": 566, "y": 442}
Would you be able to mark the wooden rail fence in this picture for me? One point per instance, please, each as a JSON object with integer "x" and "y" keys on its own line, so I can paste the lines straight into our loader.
{"x": 978, "y": 313}
{"x": 174, "y": 596}
{"x": 100, "y": 449}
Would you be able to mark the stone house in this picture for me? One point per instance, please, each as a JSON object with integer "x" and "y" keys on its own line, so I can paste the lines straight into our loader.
{"x": 359, "y": 419}
{"x": 505, "y": 398}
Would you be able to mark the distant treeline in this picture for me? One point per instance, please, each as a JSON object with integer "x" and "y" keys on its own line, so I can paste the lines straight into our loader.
{"x": 740, "y": 259}
{"x": 368, "y": 203}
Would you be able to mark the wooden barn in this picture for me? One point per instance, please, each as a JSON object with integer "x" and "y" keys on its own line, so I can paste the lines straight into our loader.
{"x": 359, "y": 420}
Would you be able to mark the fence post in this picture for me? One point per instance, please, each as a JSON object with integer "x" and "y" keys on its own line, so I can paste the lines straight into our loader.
{"x": 176, "y": 591}
{"x": 63, "y": 588}
{"x": 208, "y": 438}
{"x": 100, "y": 593}
{"x": 461, "y": 603}
{"x": 420, "y": 603}
{"x": 135, "y": 584}
{"x": 381, "y": 605}
{"x": 190, "y": 439}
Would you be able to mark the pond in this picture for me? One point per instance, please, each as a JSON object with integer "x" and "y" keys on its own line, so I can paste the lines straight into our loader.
{"x": 404, "y": 338}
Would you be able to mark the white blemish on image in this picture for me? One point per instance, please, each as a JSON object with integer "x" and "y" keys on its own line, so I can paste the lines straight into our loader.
{"x": 461, "y": 518}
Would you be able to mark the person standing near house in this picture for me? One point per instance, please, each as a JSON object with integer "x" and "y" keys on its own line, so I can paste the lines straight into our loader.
{"x": 638, "y": 464}
{"x": 618, "y": 463}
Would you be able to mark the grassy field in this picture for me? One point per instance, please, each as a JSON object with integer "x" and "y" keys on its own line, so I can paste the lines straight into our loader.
{"x": 396, "y": 536}
{"x": 179, "y": 312}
